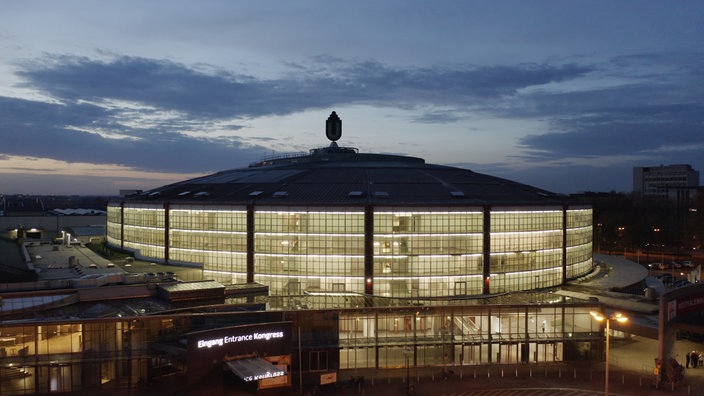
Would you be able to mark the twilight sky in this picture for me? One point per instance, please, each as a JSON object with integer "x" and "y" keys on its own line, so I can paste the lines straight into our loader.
{"x": 567, "y": 96}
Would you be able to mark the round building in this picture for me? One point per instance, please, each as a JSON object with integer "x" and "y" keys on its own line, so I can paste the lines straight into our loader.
{"x": 346, "y": 225}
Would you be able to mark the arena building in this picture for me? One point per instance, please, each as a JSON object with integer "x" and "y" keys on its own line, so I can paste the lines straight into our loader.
{"x": 372, "y": 261}
{"x": 342, "y": 224}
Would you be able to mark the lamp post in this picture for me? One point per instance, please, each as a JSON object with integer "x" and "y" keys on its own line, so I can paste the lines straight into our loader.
{"x": 619, "y": 317}
{"x": 407, "y": 355}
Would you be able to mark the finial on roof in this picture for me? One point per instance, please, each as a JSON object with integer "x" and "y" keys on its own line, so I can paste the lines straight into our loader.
{"x": 333, "y": 127}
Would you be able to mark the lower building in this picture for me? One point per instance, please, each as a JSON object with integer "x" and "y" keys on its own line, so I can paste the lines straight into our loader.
{"x": 201, "y": 351}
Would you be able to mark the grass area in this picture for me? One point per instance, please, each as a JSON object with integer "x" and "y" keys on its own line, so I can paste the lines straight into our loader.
{"x": 104, "y": 251}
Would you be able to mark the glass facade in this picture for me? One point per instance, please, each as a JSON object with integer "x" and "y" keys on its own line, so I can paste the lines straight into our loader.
{"x": 578, "y": 242}
{"x": 116, "y": 354}
{"x": 422, "y": 253}
{"x": 309, "y": 251}
{"x": 214, "y": 237}
{"x": 460, "y": 336}
{"x": 526, "y": 249}
{"x": 405, "y": 253}
{"x": 63, "y": 357}
{"x": 143, "y": 228}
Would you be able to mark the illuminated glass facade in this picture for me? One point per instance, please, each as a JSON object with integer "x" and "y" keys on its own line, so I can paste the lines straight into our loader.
{"x": 214, "y": 237}
{"x": 119, "y": 354}
{"x": 315, "y": 250}
{"x": 345, "y": 225}
{"x": 424, "y": 253}
{"x": 466, "y": 335}
{"x": 403, "y": 253}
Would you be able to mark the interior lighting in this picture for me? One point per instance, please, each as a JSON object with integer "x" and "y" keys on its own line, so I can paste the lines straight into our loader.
{"x": 332, "y": 294}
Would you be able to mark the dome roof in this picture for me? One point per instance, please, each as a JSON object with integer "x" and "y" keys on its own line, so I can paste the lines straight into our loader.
{"x": 342, "y": 176}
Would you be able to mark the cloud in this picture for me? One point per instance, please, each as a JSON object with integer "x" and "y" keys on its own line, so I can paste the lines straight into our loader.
{"x": 147, "y": 113}
{"x": 160, "y": 115}
{"x": 616, "y": 133}
{"x": 56, "y": 131}
{"x": 645, "y": 114}
{"x": 209, "y": 93}
{"x": 157, "y": 83}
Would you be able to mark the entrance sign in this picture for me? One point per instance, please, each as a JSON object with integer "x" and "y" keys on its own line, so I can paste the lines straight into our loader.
{"x": 218, "y": 342}
{"x": 254, "y": 353}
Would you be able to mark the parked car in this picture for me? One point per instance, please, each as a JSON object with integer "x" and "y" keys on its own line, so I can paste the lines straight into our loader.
{"x": 681, "y": 283}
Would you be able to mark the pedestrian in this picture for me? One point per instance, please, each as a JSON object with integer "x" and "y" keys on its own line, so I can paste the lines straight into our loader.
{"x": 689, "y": 359}
{"x": 695, "y": 359}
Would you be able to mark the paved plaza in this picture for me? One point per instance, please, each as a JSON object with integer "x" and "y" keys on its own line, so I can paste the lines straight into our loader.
{"x": 631, "y": 373}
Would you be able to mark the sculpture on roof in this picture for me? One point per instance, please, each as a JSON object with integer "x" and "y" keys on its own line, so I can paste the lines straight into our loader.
{"x": 333, "y": 127}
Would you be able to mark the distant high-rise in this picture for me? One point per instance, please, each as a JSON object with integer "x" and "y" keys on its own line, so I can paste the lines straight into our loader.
{"x": 657, "y": 180}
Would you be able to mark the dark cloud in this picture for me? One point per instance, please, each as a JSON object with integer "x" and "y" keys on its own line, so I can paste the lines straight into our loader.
{"x": 378, "y": 84}
{"x": 654, "y": 114}
{"x": 172, "y": 86}
{"x": 86, "y": 88}
{"x": 618, "y": 129}
{"x": 638, "y": 113}
{"x": 40, "y": 129}
{"x": 437, "y": 117}
{"x": 161, "y": 84}
{"x": 609, "y": 134}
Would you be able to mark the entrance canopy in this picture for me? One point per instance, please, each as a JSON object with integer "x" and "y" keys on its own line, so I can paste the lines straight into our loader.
{"x": 254, "y": 369}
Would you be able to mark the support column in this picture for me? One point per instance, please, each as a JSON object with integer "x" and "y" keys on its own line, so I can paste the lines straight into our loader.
{"x": 564, "y": 243}
{"x": 250, "y": 243}
{"x": 486, "y": 250}
{"x": 122, "y": 225}
{"x": 369, "y": 255}
{"x": 167, "y": 243}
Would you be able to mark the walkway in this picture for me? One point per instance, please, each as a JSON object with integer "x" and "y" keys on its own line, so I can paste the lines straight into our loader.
{"x": 631, "y": 373}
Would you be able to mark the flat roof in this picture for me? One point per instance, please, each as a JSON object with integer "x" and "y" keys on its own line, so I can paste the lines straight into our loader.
{"x": 191, "y": 286}
{"x": 254, "y": 369}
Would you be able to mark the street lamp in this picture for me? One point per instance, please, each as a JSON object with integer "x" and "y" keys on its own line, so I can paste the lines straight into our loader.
{"x": 619, "y": 317}
{"x": 407, "y": 354}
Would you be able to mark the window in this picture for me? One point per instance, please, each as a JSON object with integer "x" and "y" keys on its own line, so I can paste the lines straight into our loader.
{"x": 318, "y": 360}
